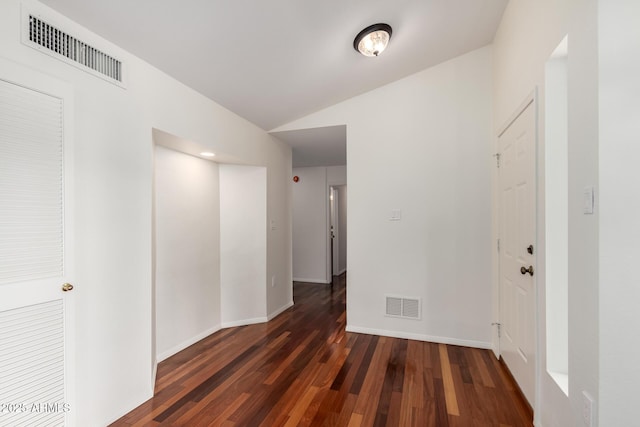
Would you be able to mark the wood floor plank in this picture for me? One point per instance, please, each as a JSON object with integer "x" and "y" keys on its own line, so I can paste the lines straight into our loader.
{"x": 303, "y": 369}
{"x": 290, "y": 358}
{"x": 234, "y": 406}
{"x": 463, "y": 406}
{"x": 369, "y": 398}
{"x": 447, "y": 382}
{"x": 299, "y": 409}
{"x": 440, "y": 405}
{"x": 355, "y": 421}
{"x": 411, "y": 387}
{"x": 485, "y": 377}
{"x": 347, "y": 410}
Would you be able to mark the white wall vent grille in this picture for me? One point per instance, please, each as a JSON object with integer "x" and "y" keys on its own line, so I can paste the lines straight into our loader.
{"x": 404, "y": 307}
{"x": 51, "y": 40}
{"x": 394, "y": 306}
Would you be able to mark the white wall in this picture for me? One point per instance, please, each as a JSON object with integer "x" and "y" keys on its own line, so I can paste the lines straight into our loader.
{"x": 528, "y": 34}
{"x": 243, "y": 241}
{"x": 279, "y": 228}
{"x": 187, "y": 250}
{"x": 336, "y": 175}
{"x": 423, "y": 149}
{"x": 619, "y": 68}
{"x": 113, "y": 209}
{"x": 310, "y": 225}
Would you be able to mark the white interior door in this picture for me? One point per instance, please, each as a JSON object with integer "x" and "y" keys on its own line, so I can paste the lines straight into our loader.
{"x": 36, "y": 314}
{"x": 517, "y": 249}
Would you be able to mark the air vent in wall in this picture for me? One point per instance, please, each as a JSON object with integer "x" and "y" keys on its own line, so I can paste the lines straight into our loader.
{"x": 47, "y": 38}
{"x": 408, "y": 308}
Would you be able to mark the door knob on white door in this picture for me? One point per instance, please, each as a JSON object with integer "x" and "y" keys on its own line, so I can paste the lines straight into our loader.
{"x": 67, "y": 287}
{"x": 525, "y": 270}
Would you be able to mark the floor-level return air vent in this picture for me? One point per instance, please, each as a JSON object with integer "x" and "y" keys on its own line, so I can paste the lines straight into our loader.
{"x": 405, "y": 307}
{"x": 49, "y": 39}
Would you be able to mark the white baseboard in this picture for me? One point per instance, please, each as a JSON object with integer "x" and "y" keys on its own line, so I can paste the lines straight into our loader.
{"x": 321, "y": 281}
{"x": 419, "y": 337}
{"x": 175, "y": 349}
{"x": 244, "y": 322}
{"x": 280, "y": 310}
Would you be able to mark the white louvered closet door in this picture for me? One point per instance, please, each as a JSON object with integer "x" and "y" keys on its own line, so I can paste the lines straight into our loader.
{"x": 36, "y": 326}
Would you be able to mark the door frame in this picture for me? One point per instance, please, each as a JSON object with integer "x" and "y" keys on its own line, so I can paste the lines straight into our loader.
{"x": 334, "y": 232}
{"x": 29, "y": 78}
{"x": 538, "y": 279}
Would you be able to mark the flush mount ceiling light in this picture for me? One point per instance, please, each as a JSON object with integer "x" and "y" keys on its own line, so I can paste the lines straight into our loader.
{"x": 207, "y": 154}
{"x": 372, "y": 40}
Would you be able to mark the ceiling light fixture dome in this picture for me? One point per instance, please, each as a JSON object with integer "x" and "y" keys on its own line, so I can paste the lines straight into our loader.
{"x": 372, "y": 40}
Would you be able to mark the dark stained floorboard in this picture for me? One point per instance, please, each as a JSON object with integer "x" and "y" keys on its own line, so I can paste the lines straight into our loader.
{"x": 303, "y": 369}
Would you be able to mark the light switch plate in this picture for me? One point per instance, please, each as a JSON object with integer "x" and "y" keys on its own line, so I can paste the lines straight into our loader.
{"x": 588, "y": 200}
{"x": 396, "y": 215}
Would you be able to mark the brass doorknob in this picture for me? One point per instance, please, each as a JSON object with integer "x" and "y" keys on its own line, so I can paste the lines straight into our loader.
{"x": 67, "y": 287}
{"x": 524, "y": 270}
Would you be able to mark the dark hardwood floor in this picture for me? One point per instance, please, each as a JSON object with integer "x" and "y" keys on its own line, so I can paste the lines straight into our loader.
{"x": 303, "y": 369}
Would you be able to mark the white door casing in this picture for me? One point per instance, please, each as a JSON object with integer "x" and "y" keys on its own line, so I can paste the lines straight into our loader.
{"x": 335, "y": 230}
{"x": 517, "y": 212}
{"x": 36, "y": 249}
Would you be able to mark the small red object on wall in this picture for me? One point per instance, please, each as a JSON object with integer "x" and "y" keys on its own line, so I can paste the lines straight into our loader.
{"x": 296, "y": 178}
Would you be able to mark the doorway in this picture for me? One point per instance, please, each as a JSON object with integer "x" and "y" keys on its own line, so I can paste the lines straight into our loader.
{"x": 338, "y": 230}
{"x": 314, "y": 213}
{"x": 517, "y": 247}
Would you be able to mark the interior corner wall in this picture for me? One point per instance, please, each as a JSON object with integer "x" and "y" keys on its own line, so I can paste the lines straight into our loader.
{"x": 310, "y": 225}
{"x": 113, "y": 176}
{"x": 187, "y": 250}
{"x": 425, "y": 150}
{"x": 243, "y": 244}
{"x": 528, "y": 34}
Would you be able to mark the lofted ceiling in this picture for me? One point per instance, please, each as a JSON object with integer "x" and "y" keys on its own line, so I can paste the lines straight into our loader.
{"x": 326, "y": 146}
{"x": 275, "y": 61}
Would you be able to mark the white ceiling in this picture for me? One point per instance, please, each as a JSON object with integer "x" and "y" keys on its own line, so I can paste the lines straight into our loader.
{"x": 325, "y": 146}
{"x": 275, "y": 61}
